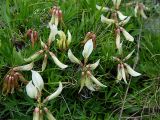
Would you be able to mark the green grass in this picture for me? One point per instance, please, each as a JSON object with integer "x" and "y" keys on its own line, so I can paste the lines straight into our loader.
{"x": 80, "y": 17}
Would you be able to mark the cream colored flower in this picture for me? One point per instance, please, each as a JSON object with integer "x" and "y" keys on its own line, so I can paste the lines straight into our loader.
{"x": 57, "y": 62}
{"x": 106, "y": 20}
{"x": 123, "y": 69}
{"x": 103, "y": 9}
{"x": 55, "y": 94}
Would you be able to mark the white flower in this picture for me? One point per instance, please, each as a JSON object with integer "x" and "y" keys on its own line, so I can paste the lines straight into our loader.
{"x": 95, "y": 80}
{"x": 122, "y": 23}
{"x": 24, "y": 67}
{"x": 106, "y": 20}
{"x": 49, "y": 114}
{"x": 53, "y": 31}
{"x": 118, "y": 38}
{"x": 88, "y": 48}
{"x": 69, "y": 38}
{"x": 103, "y": 9}
{"x": 127, "y": 35}
{"x": 119, "y": 73}
{"x": 73, "y": 58}
{"x": 121, "y": 16}
{"x": 31, "y": 90}
{"x": 44, "y": 64}
{"x": 57, "y": 62}
{"x": 55, "y": 94}
{"x": 89, "y": 84}
{"x": 129, "y": 55}
{"x": 94, "y": 65}
{"x": 37, "y": 80}
{"x": 131, "y": 71}
{"x": 34, "y": 56}
{"x": 116, "y": 3}
{"x": 124, "y": 69}
{"x": 36, "y": 115}
{"x": 123, "y": 73}
{"x": 43, "y": 44}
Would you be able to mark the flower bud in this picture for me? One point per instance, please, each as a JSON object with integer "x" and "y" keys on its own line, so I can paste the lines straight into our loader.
{"x": 49, "y": 114}
{"x": 90, "y": 35}
{"x": 36, "y": 114}
{"x": 56, "y": 15}
{"x": 63, "y": 43}
{"x": 88, "y": 48}
{"x": 33, "y": 35}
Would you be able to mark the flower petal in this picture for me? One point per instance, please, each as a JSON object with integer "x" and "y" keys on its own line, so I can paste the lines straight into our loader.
{"x": 103, "y": 9}
{"x": 69, "y": 38}
{"x": 121, "y": 16}
{"x": 131, "y": 71}
{"x": 57, "y": 62}
{"x": 114, "y": 2}
{"x": 24, "y": 67}
{"x": 53, "y": 32}
{"x": 36, "y": 114}
{"x": 118, "y": 2}
{"x": 73, "y": 58}
{"x": 123, "y": 73}
{"x": 106, "y": 20}
{"x": 118, "y": 38}
{"x": 34, "y": 56}
{"x": 119, "y": 73}
{"x": 49, "y": 114}
{"x": 127, "y": 35}
{"x": 88, "y": 48}
{"x": 136, "y": 10}
{"x": 43, "y": 44}
{"x": 94, "y": 65}
{"x": 95, "y": 80}
{"x": 122, "y": 23}
{"x": 129, "y": 55}
{"x": 82, "y": 82}
{"x": 37, "y": 80}
{"x": 31, "y": 90}
{"x": 143, "y": 14}
{"x": 44, "y": 64}
{"x": 55, "y": 94}
{"x": 89, "y": 84}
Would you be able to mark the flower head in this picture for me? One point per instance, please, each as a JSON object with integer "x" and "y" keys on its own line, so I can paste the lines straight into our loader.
{"x": 123, "y": 69}
{"x": 12, "y": 78}
{"x": 63, "y": 43}
{"x": 87, "y": 79}
{"x": 139, "y": 10}
{"x": 56, "y": 15}
{"x": 32, "y": 35}
{"x": 34, "y": 90}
